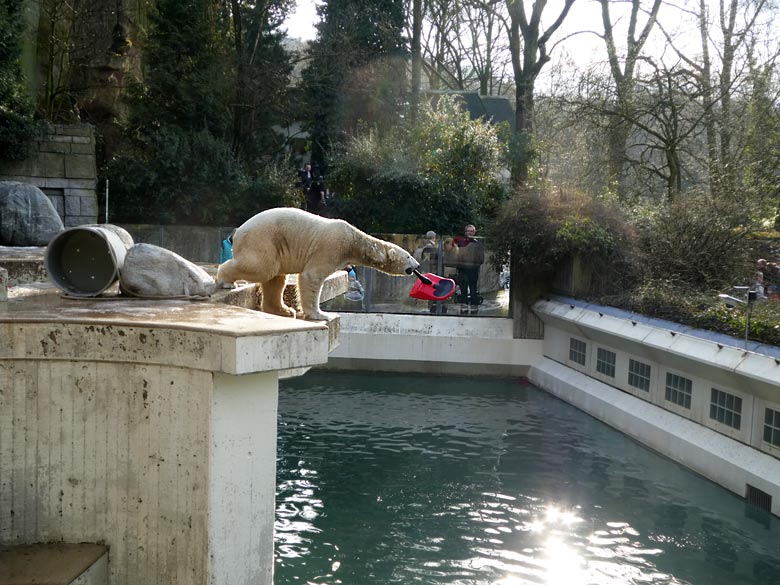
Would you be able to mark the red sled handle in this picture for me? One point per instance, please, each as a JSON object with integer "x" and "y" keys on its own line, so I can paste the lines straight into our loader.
{"x": 436, "y": 288}
{"x": 422, "y": 277}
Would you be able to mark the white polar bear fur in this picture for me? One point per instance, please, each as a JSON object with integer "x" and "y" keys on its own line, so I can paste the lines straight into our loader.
{"x": 285, "y": 240}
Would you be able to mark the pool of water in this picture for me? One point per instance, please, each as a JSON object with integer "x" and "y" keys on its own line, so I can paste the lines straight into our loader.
{"x": 402, "y": 479}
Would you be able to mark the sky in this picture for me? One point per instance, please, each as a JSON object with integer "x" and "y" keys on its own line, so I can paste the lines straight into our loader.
{"x": 581, "y": 48}
{"x": 585, "y": 14}
{"x": 300, "y": 24}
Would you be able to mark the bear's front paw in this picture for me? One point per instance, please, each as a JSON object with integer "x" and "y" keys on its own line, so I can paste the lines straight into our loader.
{"x": 280, "y": 311}
{"x": 320, "y": 316}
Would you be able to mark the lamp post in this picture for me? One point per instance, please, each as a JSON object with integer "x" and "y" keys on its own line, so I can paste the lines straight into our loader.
{"x": 750, "y": 298}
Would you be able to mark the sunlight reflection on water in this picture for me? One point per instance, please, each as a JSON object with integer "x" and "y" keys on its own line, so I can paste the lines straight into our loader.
{"x": 502, "y": 485}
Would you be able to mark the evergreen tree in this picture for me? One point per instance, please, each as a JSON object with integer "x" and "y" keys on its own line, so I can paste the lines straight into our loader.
{"x": 198, "y": 121}
{"x": 16, "y": 108}
{"x": 187, "y": 70}
{"x": 356, "y": 73}
{"x": 262, "y": 82}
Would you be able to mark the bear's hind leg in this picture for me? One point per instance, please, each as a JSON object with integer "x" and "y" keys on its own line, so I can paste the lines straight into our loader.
{"x": 273, "y": 297}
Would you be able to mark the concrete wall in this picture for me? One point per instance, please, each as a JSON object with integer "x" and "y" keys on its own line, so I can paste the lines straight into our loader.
{"x": 708, "y": 364}
{"x": 195, "y": 243}
{"x": 731, "y": 452}
{"x": 169, "y": 467}
{"x": 432, "y": 344}
{"x": 713, "y": 455}
{"x": 62, "y": 165}
{"x": 147, "y": 426}
{"x": 116, "y": 478}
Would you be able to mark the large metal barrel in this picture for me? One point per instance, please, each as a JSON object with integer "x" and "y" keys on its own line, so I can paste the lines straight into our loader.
{"x": 84, "y": 261}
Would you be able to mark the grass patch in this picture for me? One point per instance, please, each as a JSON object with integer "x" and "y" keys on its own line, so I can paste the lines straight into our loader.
{"x": 703, "y": 309}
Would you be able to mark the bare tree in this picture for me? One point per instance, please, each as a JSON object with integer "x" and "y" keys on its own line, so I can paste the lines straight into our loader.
{"x": 528, "y": 43}
{"x": 417, "y": 18}
{"x": 463, "y": 46}
{"x": 483, "y": 47}
{"x": 667, "y": 121}
{"x": 623, "y": 70}
{"x": 440, "y": 24}
{"x": 732, "y": 34}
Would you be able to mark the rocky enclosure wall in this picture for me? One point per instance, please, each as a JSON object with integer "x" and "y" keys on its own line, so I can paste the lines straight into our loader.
{"x": 63, "y": 166}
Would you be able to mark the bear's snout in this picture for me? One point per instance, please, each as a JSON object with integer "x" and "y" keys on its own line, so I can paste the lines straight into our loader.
{"x": 412, "y": 264}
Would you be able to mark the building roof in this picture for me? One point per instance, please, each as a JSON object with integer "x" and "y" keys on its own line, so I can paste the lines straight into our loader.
{"x": 495, "y": 109}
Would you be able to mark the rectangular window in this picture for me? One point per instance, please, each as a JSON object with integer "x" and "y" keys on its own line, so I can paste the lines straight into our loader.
{"x": 577, "y": 351}
{"x": 678, "y": 390}
{"x": 639, "y": 375}
{"x": 605, "y": 362}
{"x": 772, "y": 427}
{"x": 726, "y": 408}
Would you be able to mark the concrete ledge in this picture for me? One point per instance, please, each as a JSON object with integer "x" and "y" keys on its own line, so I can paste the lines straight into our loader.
{"x": 669, "y": 343}
{"x": 715, "y": 456}
{"x": 432, "y": 344}
{"x": 24, "y": 265}
{"x": 37, "y": 323}
{"x": 249, "y": 295}
{"x": 426, "y": 367}
{"x": 200, "y": 335}
{"x": 54, "y": 564}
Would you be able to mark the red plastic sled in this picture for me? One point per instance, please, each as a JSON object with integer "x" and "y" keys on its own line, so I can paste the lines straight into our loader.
{"x": 436, "y": 289}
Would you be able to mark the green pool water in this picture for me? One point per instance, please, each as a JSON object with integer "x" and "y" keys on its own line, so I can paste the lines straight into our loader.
{"x": 403, "y": 479}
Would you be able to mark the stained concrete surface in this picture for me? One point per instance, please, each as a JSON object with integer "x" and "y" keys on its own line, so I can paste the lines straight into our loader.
{"x": 47, "y": 564}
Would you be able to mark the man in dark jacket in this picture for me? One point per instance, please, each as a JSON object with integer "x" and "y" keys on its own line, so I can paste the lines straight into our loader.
{"x": 471, "y": 255}
{"x": 315, "y": 196}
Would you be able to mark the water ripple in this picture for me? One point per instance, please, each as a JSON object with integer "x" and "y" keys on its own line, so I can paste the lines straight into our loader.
{"x": 490, "y": 482}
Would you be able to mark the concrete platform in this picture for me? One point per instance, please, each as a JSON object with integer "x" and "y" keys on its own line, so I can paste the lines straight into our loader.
{"x": 231, "y": 315}
{"x": 23, "y": 264}
{"x": 54, "y": 564}
{"x": 149, "y": 425}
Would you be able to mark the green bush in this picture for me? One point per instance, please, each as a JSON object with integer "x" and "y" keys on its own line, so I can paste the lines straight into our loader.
{"x": 698, "y": 241}
{"x": 191, "y": 178}
{"x": 539, "y": 230}
{"x": 441, "y": 173}
{"x": 699, "y": 308}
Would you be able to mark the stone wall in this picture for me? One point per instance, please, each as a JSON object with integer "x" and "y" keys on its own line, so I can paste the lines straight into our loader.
{"x": 195, "y": 243}
{"x": 62, "y": 166}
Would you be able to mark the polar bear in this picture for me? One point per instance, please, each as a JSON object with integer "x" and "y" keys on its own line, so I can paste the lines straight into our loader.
{"x": 285, "y": 240}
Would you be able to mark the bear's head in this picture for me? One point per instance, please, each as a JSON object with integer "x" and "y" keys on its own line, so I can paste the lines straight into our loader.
{"x": 398, "y": 261}
{"x": 391, "y": 259}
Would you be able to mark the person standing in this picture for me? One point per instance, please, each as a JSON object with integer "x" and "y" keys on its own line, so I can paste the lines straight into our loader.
{"x": 226, "y": 249}
{"x": 315, "y": 198}
{"x": 304, "y": 182}
{"x": 471, "y": 256}
{"x": 304, "y": 176}
{"x": 427, "y": 253}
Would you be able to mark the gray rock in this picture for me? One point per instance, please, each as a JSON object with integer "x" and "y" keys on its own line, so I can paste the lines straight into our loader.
{"x": 27, "y": 217}
{"x": 151, "y": 271}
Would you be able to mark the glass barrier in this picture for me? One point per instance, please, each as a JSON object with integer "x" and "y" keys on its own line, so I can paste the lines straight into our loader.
{"x": 480, "y": 290}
